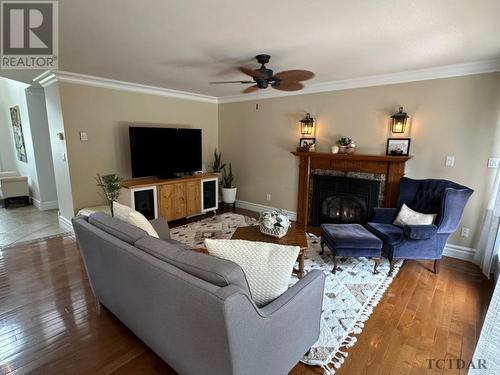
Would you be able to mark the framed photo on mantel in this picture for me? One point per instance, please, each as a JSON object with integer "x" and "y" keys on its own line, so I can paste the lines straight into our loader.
{"x": 398, "y": 146}
{"x": 307, "y": 144}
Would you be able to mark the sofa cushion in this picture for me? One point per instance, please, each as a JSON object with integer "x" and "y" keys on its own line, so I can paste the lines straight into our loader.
{"x": 131, "y": 216}
{"x": 118, "y": 228}
{"x": 388, "y": 233}
{"x": 268, "y": 267}
{"x": 216, "y": 271}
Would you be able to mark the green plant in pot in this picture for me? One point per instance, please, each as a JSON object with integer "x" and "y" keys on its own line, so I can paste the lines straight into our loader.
{"x": 228, "y": 190}
{"x": 110, "y": 185}
{"x": 217, "y": 166}
{"x": 346, "y": 145}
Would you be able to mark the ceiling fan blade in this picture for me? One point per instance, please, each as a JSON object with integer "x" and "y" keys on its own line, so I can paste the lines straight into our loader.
{"x": 250, "y": 89}
{"x": 288, "y": 86}
{"x": 294, "y": 75}
{"x": 252, "y": 73}
{"x": 219, "y": 82}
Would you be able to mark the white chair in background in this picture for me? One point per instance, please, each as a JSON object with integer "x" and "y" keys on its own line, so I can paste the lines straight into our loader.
{"x": 12, "y": 185}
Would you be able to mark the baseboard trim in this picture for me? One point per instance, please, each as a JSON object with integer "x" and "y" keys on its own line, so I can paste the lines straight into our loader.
{"x": 459, "y": 252}
{"x": 260, "y": 208}
{"x": 44, "y": 206}
{"x": 65, "y": 223}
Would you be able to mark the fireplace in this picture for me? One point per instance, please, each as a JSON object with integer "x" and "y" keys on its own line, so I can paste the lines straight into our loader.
{"x": 390, "y": 169}
{"x": 338, "y": 199}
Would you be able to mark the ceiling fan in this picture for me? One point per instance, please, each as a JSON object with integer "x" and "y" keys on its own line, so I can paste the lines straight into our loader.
{"x": 288, "y": 80}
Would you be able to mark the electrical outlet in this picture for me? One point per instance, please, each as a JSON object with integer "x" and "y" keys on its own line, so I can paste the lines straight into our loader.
{"x": 465, "y": 232}
{"x": 493, "y": 162}
{"x": 268, "y": 197}
{"x": 450, "y": 161}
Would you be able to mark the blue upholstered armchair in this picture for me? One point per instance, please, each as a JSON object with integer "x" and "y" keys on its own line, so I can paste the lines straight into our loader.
{"x": 444, "y": 198}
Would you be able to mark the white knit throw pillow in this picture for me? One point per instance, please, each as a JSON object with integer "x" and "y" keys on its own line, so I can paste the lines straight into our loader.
{"x": 407, "y": 216}
{"x": 133, "y": 217}
{"x": 267, "y": 266}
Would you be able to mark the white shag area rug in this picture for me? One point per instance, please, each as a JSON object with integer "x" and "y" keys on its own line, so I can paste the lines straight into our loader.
{"x": 349, "y": 298}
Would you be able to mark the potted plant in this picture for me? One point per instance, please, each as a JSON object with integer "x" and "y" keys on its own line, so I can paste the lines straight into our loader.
{"x": 274, "y": 223}
{"x": 346, "y": 145}
{"x": 110, "y": 185}
{"x": 217, "y": 166}
{"x": 228, "y": 190}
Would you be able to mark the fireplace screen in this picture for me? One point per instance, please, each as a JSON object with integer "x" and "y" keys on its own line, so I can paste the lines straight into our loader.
{"x": 342, "y": 199}
{"x": 344, "y": 209}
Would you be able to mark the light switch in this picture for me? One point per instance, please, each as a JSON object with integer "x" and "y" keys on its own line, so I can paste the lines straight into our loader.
{"x": 493, "y": 162}
{"x": 450, "y": 161}
{"x": 83, "y": 136}
{"x": 63, "y": 156}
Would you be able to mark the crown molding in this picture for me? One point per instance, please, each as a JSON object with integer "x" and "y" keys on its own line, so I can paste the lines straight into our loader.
{"x": 455, "y": 70}
{"x": 49, "y": 77}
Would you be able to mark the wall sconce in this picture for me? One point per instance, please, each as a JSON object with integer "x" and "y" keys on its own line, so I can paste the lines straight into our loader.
{"x": 307, "y": 125}
{"x": 399, "y": 121}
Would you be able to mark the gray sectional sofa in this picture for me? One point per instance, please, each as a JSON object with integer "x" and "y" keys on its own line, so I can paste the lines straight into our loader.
{"x": 194, "y": 310}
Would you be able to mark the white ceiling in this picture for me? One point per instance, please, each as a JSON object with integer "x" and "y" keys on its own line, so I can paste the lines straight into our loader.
{"x": 184, "y": 44}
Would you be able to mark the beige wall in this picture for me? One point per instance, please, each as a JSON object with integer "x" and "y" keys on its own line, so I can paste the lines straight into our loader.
{"x": 58, "y": 148}
{"x": 105, "y": 115}
{"x": 455, "y": 116}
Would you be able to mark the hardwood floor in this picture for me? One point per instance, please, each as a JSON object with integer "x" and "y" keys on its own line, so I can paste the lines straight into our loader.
{"x": 50, "y": 323}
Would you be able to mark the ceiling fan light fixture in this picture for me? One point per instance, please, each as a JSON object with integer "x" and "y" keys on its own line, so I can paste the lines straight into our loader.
{"x": 288, "y": 80}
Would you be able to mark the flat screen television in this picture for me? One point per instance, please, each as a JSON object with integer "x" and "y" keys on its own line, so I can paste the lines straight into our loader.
{"x": 164, "y": 152}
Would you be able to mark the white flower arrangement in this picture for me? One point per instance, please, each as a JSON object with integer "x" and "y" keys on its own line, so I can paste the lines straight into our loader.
{"x": 274, "y": 223}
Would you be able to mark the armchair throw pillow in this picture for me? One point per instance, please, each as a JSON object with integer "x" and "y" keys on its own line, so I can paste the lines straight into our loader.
{"x": 407, "y": 216}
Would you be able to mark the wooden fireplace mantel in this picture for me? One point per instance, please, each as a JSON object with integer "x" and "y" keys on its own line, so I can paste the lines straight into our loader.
{"x": 392, "y": 166}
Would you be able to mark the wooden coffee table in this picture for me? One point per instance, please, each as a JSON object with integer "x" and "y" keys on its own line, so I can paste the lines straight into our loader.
{"x": 294, "y": 237}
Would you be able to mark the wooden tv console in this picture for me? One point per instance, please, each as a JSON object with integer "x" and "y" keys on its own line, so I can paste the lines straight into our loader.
{"x": 174, "y": 198}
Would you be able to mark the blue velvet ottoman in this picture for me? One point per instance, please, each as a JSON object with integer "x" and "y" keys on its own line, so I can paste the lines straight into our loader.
{"x": 350, "y": 240}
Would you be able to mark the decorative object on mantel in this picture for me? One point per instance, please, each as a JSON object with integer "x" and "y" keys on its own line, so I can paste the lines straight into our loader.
{"x": 307, "y": 125}
{"x": 110, "y": 185}
{"x": 398, "y": 146}
{"x": 228, "y": 190}
{"x": 346, "y": 146}
{"x": 307, "y": 144}
{"x": 274, "y": 223}
{"x": 335, "y": 149}
{"x": 399, "y": 121}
